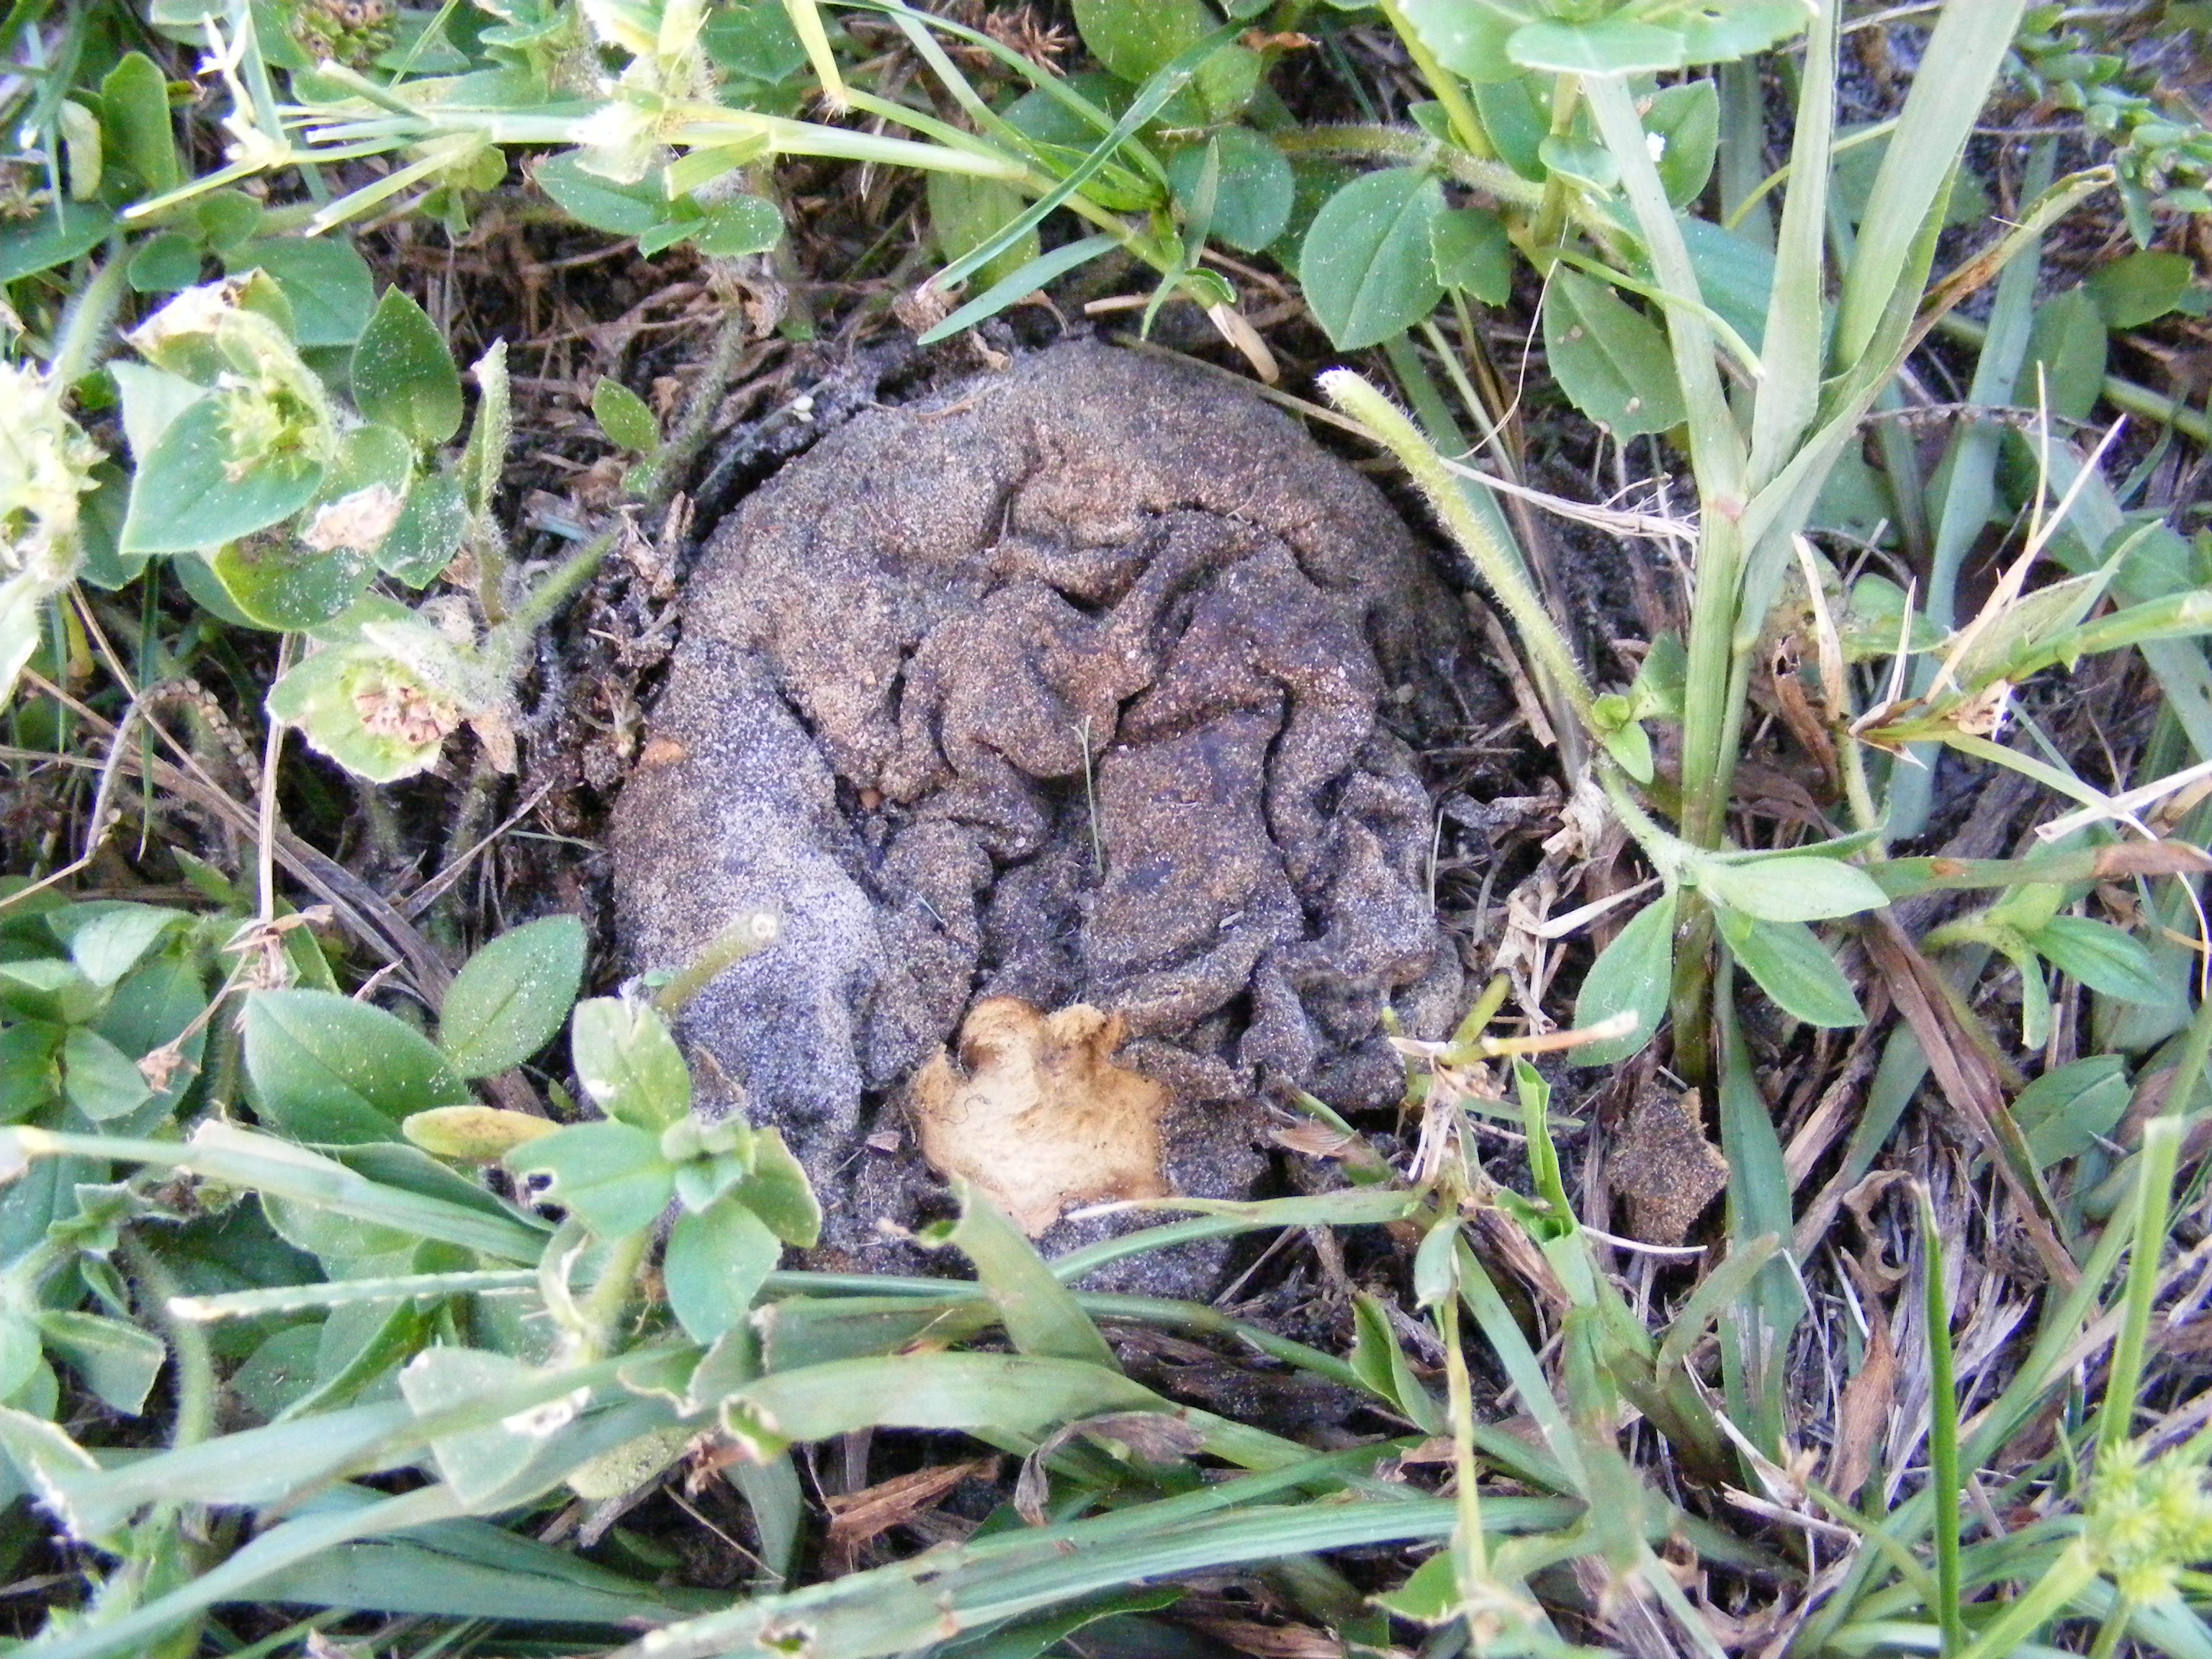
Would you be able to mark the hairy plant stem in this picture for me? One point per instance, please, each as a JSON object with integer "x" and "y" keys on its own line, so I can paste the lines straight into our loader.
{"x": 1500, "y": 569}
{"x": 603, "y": 1309}
{"x": 79, "y": 342}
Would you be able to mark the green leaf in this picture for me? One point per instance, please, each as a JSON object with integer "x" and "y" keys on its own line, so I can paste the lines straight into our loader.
{"x": 1009, "y": 1393}
{"x": 2064, "y": 1111}
{"x": 1611, "y": 46}
{"x": 164, "y": 263}
{"x": 327, "y": 282}
{"x": 2066, "y": 352}
{"x": 1040, "y": 1314}
{"x": 403, "y": 374}
{"x": 1251, "y": 194}
{"x": 136, "y": 122}
{"x": 2102, "y": 956}
{"x": 118, "y": 1361}
{"x": 97, "y": 1078}
{"x": 611, "y": 1176}
{"x": 1720, "y": 33}
{"x": 57, "y": 233}
{"x": 1687, "y": 118}
{"x": 1366, "y": 262}
{"x": 1471, "y": 253}
{"x": 620, "y": 209}
{"x": 1516, "y": 113}
{"x": 1611, "y": 361}
{"x": 509, "y": 999}
{"x": 193, "y": 494}
{"x": 288, "y": 587}
{"x": 1134, "y": 38}
{"x": 966, "y": 213}
{"x": 716, "y": 1263}
{"x": 1468, "y": 39}
{"x": 1794, "y": 968}
{"x": 1031, "y": 277}
{"x": 1790, "y": 887}
{"x": 1632, "y": 973}
{"x": 429, "y": 533}
{"x": 2141, "y": 287}
{"x": 624, "y": 416}
{"x": 107, "y": 940}
{"x": 779, "y": 1192}
{"x": 741, "y": 225}
{"x": 328, "y": 1069}
{"x": 1382, "y": 1366}
{"x": 226, "y": 218}
{"x": 629, "y": 1063}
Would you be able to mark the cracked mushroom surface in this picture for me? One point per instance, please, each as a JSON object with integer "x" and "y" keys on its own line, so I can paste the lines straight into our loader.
{"x": 1084, "y": 685}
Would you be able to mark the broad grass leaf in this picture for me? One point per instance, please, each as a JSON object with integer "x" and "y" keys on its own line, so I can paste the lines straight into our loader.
{"x": 717, "y": 1260}
{"x": 626, "y": 418}
{"x": 1014, "y": 1393}
{"x": 1471, "y": 253}
{"x": 118, "y": 1361}
{"x": 1790, "y": 887}
{"x": 185, "y": 498}
{"x": 2102, "y": 956}
{"x": 2064, "y": 1111}
{"x": 610, "y": 1177}
{"x": 629, "y": 1063}
{"x": 1633, "y": 974}
{"x": 509, "y": 999}
{"x": 1794, "y": 968}
{"x": 600, "y": 204}
{"x": 329, "y": 285}
{"x": 328, "y": 1069}
{"x": 1041, "y": 1314}
{"x": 404, "y": 375}
{"x": 1611, "y": 361}
{"x": 1367, "y": 266}
{"x": 2067, "y": 344}
{"x": 2141, "y": 287}
{"x": 1381, "y": 1364}
{"x": 1045, "y": 268}
{"x": 1251, "y": 194}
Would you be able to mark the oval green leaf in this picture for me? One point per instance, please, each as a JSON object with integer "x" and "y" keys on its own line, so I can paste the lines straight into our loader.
{"x": 185, "y": 498}
{"x": 1633, "y": 975}
{"x": 717, "y": 1260}
{"x": 1611, "y": 361}
{"x": 509, "y": 999}
{"x": 1366, "y": 263}
{"x": 1794, "y": 968}
{"x": 403, "y": 374}
{"x": 1790, "y": 887}
{"x": 326, "y": 1069}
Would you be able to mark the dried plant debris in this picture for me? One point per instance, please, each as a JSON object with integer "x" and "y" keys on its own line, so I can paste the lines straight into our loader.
{"x": 1089, "y": 682}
